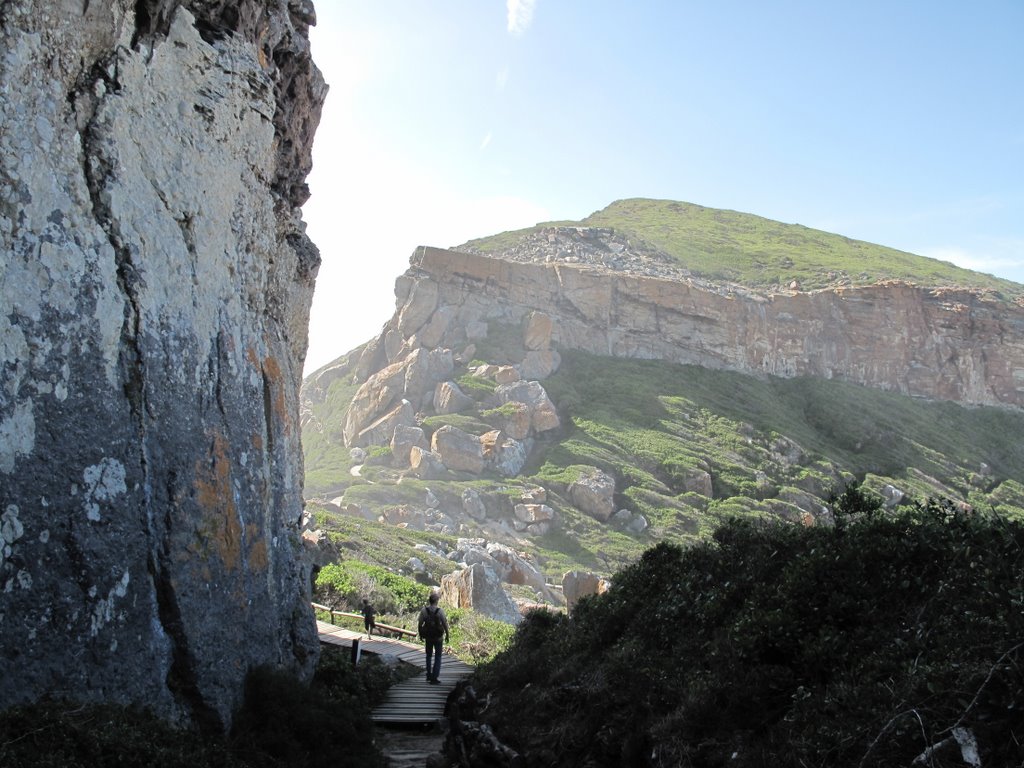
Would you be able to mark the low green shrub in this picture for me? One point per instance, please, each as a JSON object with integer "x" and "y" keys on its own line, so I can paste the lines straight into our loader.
{"x": 476, "y": 638}
{"x": 346, "y": 584}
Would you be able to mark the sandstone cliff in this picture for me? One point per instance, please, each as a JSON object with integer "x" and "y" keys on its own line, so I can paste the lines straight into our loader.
{"x": 156, "y": 282}
{"x": 947, "y": 344}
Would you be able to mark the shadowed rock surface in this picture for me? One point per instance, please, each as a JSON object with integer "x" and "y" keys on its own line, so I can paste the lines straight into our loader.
{"x": 156, "y": 283}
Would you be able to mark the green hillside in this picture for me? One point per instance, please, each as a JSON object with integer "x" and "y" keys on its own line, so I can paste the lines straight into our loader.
{"x": 761, "y": 253}
{"x": 767, "y": 447}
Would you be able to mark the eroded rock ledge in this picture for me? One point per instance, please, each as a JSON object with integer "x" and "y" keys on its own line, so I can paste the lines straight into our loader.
{"x": 944, "y": 344}
{"x": 156, "y": 290}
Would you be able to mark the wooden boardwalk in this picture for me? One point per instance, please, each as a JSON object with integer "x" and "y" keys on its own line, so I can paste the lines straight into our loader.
{"x": 414, "y": 700}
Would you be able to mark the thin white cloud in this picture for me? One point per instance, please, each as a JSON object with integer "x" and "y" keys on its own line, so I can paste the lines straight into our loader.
{"x": 520, "y": 14}
{"x": 486, "y": 141}
{"x": 1009, "y": 266}
{"x": 502, "y": 78}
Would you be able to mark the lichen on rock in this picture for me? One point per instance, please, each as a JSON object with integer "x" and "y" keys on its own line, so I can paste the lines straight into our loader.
{"x": 156, "y": 288}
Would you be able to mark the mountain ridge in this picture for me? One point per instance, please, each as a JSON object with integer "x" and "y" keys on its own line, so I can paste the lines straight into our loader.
{"x": 757, "y": 252}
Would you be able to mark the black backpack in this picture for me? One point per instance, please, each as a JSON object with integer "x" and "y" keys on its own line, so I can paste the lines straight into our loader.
{"x": 430, "y": 625}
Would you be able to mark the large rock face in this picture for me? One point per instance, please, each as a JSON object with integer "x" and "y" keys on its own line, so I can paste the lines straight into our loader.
{"x": 156, "y": 283}
{"x": 944, "y": 344}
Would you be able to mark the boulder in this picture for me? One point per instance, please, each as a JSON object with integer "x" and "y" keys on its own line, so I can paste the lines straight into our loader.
{"x": 477, "y": 555}
{"x": 506, "y": 374}
{"x": 512, "y": 418}
{"x": 473, "y": 505}
{"x": 536, "y": 494}
{"x": 698, "y": 481}
{"x": 418, "y": 306}
{"x": 432, "y": 334}
{"x": 537, "y": 334}
{"x": 383, "y": 429}
{"x": 504, "y": 454}
{"x": 458, "y": 450}
{"x": 577, "y": 584}
{"x": 371, "y": 359}
{"x": 403, "y": 440}
{"x": 375, "y": 396}
{"x": 425, "y": 464}
{"x": 533, "y": 513}
{"x": 539, "y": 364}
{"x": 515, "y": 569}
{"x": 449, "y": 398}
{"x": 891, "y": 495}
{"x": 479, "y": 588}
{"x": 543, "y": 414}
{"x": 412, "y": 378}
{"x": 394, "y": 346}
{"x": 593, "y": 494}
{"x": 638, "y": 524}
{"x": 424, "y": 369}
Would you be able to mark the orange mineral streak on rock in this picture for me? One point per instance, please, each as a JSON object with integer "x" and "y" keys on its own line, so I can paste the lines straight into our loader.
{"x": 220, "y": 530}
{"x": 274, "y": 379}
{"x": 258, "y": 555}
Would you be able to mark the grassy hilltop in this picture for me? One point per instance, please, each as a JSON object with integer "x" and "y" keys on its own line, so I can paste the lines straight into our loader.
{"x": 761, "y": 253}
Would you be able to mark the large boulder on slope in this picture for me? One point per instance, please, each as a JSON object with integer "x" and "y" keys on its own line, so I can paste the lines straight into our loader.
{"x": 543, "y": 414}
{"x": 458, "y": 450}
{"x": 577, "y": 584}
{"x": 593, "y": 493}
{"x": 478, "y": 587}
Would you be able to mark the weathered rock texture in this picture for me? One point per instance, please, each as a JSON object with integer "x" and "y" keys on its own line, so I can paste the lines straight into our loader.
{"x": 945, "y": 344}
{"x": 156, "y": 283}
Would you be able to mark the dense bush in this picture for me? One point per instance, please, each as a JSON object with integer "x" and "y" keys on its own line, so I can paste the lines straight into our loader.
{"x": 326, "y": 724}
{"x": 70, "y": 735}
{"x": 282, "y": 723}
{"x": 861, "y": 644}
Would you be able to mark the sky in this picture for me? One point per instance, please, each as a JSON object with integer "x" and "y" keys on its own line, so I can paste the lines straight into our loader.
{"x": 898, "y": 123}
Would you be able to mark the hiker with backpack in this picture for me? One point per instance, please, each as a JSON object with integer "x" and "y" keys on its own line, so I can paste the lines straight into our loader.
{"x": 433, "y": 626}
{"x": 369, "y": 617}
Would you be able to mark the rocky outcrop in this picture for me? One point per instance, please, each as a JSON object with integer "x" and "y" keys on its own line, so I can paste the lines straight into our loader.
{"x": 479, "y": 587}
{"x": 947, "y": 344}
{"x": 156, "y": 288}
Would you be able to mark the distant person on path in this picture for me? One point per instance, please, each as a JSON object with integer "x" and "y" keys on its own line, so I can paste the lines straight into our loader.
{"x": 369, "y": 616}
{"x": 433, "y": 627}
